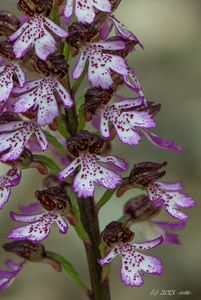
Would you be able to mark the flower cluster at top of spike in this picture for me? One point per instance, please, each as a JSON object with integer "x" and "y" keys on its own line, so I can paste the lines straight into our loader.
{"x": 39, "y": 115}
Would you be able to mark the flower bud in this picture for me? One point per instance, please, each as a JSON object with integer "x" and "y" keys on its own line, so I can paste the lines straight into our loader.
{"x": 142, "y": 175}
{"x": 8, "y": 23}
{"x": 140, "y": 208}
{"x": 80, "y": 34}
{"x": 94, "y": 98}
{"x": 54, "y": 65}
{"x": 145, "y": 173}
{"x": 116, "y": 233}
{"x": 83, "y": 141}
{"x": 54, "y": 198}
{"x": 32, "y": 252}
{"x": 26, "y": 249}
{"x": 6, "y": 50}
{"x": 35, "y": 7}
{"x": 26, "y": 161}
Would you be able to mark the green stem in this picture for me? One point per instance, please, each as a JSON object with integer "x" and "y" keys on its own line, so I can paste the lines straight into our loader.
{"x": 105, "y": 198}
{"x": 88, "y": 213}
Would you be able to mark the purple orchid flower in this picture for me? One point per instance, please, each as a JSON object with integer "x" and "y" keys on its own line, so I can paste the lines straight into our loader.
{"x": 127, "y": 122}
{"x": 101, "y": 63}
{"x": 131, "y": 125}
{"x": 7, "y": 277}
{"x": 121, "y": 30}
{"x": 92, "y": 173}
{"x": 40, "y": 94}
{"x": 135, "y": 264}
{"x": 7, "y": 73}
{"x": 7, "y": 181}
{"x": 85, "y": 9}
{"x": 15, "y": 135}
{"x": 170, "y": 198}
{"x": 39, "y": 223}
{"x": 33, "y": 33}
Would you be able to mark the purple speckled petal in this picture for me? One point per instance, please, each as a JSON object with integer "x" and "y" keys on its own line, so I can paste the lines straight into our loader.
{"x": 80, "y": 65}
{"x": 126, "y": 122}
{"x": 13, "y": 137}
{"x": 123, "y": 31}
{"x": 135, "y": 264}
{"x": 45, "y": 46}
{"x": 56, "y": 29}
{"x": 68, "y": 10}
{"x": 173, "y": 200}
{"x": 68, "y": 170}
{"x": 101, "y": 64}
{"x": 148, "y": 244}
{"x": 20, "y": 74}
{"x": 85, "y": 10}
{"x": 32, "y": 33}
{"x": 91, "y": 173}
{"x": 64, "y": 94}
{"x": 114, "y": 160}
{"x": 10, "y": 179}
{"x": 39, "y": 229}
{"x": 132, "y": 82}
{"x": 108, "y": 258}
{"x": 6, "y": 81}
{"x": 157, "y": 141}
{"x": 170, "y": 226}
{"x": 172, "y": 238}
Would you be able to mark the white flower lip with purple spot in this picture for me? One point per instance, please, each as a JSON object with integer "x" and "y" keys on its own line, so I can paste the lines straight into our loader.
{"x": 40, "y": 95}
{"x": 92, "y": 173}
{"x": 39, "y": 224}
{"x": 33, "y": 33}
{"x": 127, "y": 122}
{"x": 135, "y": 264}
{"x": 15, "y": 135}
{"x": 101, "y": 64}
{"x": 85, "y": 9}
{"x": 171, "y": 198}
{"x": 6, "y": 80}
{"x": 7, "y": 181}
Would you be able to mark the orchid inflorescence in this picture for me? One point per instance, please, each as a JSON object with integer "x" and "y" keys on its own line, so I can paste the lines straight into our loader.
{"x": 49, "y": 113}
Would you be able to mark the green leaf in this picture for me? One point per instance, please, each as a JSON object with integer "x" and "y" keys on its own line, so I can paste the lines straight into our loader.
{"x": 69, "y": 269}
{"x": 105, "y": 198}
{"x": 48, "y": 162}
{"x": 54, "y": 142}
{"x": 62, "y": 129}
{"x": 66, "y": 51}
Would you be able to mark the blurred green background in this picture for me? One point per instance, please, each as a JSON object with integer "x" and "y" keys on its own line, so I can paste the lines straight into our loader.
{"x": 169, "y": 70}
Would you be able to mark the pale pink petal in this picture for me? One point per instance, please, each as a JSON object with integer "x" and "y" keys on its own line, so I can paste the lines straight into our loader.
{"x": 113, "y": 159}
{"x": 64, "y": 94}
{"x": 80, "y": 65}
{"x": 68, "y": 170}
{"x": 68, "y": 10}
{"x": 45, "y": 46}
{"x": 157, "y": 141}
{"x": 32, "y": 208}
{"x": 41, "y": 138}
{"x": 56, "y": 29}
{"x": 20, "y": 74}
{"x": 17, "y": 33}
{"x": 149, "y": 244}
{"x": 84, "y": 11}
{"x": 103, "y": 5}
{"x": 108, "y": 258}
